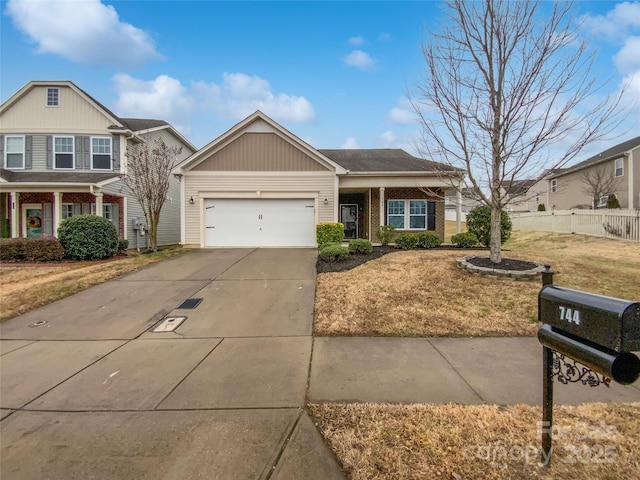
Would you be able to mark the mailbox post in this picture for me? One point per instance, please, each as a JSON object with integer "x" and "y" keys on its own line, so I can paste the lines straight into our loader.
{"x": 597, "y": 331}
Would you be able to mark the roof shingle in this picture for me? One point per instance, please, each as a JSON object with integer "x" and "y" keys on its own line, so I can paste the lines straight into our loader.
{"x": 383, "y": 160}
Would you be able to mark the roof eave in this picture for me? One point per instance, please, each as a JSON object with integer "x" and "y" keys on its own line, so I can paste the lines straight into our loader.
{"x": 626, "y": 153}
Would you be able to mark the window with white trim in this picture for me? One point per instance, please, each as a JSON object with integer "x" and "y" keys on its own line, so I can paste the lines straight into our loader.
{"x": 67, "y": 210}
{"x": 554, "y": 186}
{"x": 101, "y": 153}
{"x": 619, "y": 167}
{"x": 411, "y": 214}
{"x": 53, "y": 97}
{"x": 14, "y": 152}
{"x": 63, "y": 153}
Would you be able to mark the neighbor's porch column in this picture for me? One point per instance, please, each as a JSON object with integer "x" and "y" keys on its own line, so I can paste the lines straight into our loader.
{"x": 98, "y": 204}
{"x": 14, "y": 206}
{"x": 382, "y": 222}
{"x": 57, "y": 212}
{"x": 458, "y": 210}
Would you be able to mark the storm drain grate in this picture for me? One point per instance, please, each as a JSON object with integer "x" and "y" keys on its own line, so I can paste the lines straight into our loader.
{"x": 169, "y": 324}
{"x": 189, "y": 304}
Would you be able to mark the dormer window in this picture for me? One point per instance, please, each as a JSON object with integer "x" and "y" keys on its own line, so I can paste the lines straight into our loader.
{"x": 53, "y": 97}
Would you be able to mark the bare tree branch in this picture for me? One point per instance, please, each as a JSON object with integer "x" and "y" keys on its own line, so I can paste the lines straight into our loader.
{"x": 598, "y": 182}
{"x": 507, "y": 91}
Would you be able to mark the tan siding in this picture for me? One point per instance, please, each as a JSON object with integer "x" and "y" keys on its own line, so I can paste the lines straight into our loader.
{"x": 635, "y": 155}
{"x": 259, "y": 152}
{"x": 30, "y": 114}
{"x": 321, "y": 184}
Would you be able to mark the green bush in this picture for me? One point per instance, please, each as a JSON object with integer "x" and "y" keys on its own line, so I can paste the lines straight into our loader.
{"x": 428, "y": 240}
{"x": 334, "y": 253}
{"x": 123, "y": 245}
{"x": 541, "y": 207}
{"x": 612, "y": 202}
{"x": 407, "y": 241}
{"x": 5, "y": 229}
{"x": 360, "y": 246}
{"x": 88, "y": 237}
{"x": 320, "y": 247}
{"x": 329, "y": 233}
{"x": 464, "y": 240}
{"x": 46, "y": 249}
{"x": 385, "y": 233}
{"x": 479, "y": 223}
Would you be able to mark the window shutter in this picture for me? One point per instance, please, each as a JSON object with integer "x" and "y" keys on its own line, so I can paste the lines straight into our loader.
{"x": 87, "y": 152}
{"x": 431, "y": 215}
{"x": 28, "y": 151}
{"x": 114, "y": 217}
{"x": 2, "y": 162}
{"x": 115, "y": 146}
{"x": 77, "y": 146}
{"x": 46, "y": 213}
{"x": 49, "y": 151}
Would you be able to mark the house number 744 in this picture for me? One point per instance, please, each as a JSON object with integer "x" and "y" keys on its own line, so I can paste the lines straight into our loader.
{"x": 570, "y": 315}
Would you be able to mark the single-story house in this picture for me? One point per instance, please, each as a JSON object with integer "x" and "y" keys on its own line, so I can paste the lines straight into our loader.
{"x": 260, "y": 185}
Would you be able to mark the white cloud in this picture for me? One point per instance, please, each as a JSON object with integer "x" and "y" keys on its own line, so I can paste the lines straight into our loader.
{"x": 350, "y": 143}
{"x": 616, "y": 23}
{"x": 356, "y": 41}
{"x": 403, "y": 113}
{"x": 627, "y": 60}
{"x": 237, "y": 96}
{"x": 387, "y": 138}
{"x": 85, "y": 31}
{"x": 360, "y": 59}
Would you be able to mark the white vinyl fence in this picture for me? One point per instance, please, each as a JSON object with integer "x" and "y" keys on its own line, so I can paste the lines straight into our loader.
{"x": 615, "y": 223}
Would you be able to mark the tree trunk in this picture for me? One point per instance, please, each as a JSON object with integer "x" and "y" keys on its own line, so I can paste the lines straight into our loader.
{"x": 495, "y": 244}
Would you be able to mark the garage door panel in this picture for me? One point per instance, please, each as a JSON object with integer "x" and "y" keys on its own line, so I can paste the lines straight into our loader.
{"x": 259, "y": 222}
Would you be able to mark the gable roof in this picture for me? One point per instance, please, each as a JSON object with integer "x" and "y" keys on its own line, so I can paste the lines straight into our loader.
{"x": 519, "y": 187}
{"x": 138, "y": 124}
{"x": 383, "y": 160}
{"x": 239, "y": 128}
{"x": 608, "y": 154}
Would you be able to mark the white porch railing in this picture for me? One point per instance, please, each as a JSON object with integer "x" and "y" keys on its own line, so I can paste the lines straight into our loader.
{"x": 614, "y": 223}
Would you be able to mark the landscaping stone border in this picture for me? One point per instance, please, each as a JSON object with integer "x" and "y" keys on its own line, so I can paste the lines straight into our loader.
{"x": 500, "y": 273}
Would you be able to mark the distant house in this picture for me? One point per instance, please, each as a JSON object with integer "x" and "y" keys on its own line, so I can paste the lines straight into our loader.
{"x": 260, "y": 185}
{"x": 469, "y": 199}
{"x": 63, "y": 154}
{"x": 588, "y": 184}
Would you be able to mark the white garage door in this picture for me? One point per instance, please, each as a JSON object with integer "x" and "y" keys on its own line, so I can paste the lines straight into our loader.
{"x": 259, "y": 223}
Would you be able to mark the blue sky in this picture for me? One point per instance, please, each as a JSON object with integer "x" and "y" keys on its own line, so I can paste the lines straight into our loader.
{"x": 334, "y": 73}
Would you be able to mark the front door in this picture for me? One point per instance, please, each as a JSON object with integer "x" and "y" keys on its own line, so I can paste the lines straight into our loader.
{"x": 32, "y": 220}
{"x": 349, "y": 218}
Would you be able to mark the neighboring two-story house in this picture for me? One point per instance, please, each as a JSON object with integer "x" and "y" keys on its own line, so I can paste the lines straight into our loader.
{"x": 63, "y": 154}
{"x": 615, "y": 171}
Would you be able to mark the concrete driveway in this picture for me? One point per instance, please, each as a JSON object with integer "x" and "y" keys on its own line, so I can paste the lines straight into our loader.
{"x": 93, "y": 393}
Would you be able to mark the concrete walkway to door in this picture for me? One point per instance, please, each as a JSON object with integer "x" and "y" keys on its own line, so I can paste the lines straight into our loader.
{"x": 93, "y": 393}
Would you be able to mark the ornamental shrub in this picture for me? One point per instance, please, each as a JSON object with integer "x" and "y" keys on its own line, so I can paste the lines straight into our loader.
{"x": 407, "y": 241}
{"x": 334, "y": 253}
{"x": 88, "y": 237}
{"x": 541, "y": 207}
{"x": 428, "y": 240}
{"x": 360, "y": 246}
{"x": 612, "y": 202}
{"x": 47, "y": 249}
{"x": 123, "y": 245}
{"x": 464, "y": 240}
{"x": 385, "y": 233}
{"x": 329, "y": 233}
{"x": 479, "y": 223}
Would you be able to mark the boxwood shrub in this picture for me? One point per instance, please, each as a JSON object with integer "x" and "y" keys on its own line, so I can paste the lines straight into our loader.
{"x": 464, "y": 240}
{"x": 361, "y": 246}
{"x": 334, "y": 253}
{"x": 479, "y": 222}
{"x": 46, "y": 249}
{"x": 407, "y": 241}
{"x": 428, "y": 240}
{"x": 329, "y": 233}
{"x": 385, "y": 234}
{"x": 88, "y": 237}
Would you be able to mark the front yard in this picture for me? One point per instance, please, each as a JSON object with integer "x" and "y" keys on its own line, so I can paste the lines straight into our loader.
{"x": 423, "y": 293}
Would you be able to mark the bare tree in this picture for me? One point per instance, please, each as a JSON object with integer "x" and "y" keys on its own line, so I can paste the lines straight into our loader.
{"x": 598, "y": 182}
{"x": 149, "y": 165}
{"x": 506, "y": 88}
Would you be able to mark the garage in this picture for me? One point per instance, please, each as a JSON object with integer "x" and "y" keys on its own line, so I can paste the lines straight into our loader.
{"x": 259, "y": 222}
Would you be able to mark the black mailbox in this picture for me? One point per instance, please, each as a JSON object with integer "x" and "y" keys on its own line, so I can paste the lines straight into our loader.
{"x": 608, "y": 322}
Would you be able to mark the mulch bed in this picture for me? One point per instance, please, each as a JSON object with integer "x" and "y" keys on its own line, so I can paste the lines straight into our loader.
{"x": 506, "y": 264}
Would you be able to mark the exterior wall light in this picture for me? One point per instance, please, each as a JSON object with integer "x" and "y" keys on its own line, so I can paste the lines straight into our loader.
{"x": 191, "y": 201}
{"x": 325, "y": 201}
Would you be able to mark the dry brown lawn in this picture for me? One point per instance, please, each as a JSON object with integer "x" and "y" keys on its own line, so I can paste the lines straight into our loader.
{"x": 592, "y": 441}
{"x": 27, "y": 287}
{"x": 423, "y": 293}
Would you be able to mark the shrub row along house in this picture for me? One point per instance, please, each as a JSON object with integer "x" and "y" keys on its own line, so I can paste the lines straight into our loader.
{"x": 64, "y": 154}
